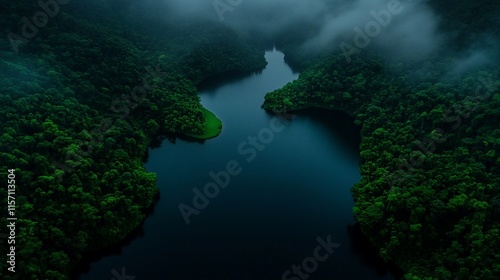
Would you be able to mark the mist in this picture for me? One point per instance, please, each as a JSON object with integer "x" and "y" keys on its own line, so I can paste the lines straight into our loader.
{"x": 483, "y": 52}
{"x": 408, "y": 32}
{"x": 327, "y": 23}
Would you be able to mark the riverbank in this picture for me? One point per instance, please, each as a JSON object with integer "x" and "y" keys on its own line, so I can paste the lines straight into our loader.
{"x": 401, "y": 148}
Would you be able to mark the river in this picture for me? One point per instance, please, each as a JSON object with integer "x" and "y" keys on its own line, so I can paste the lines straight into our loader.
{"x": 282, "y": 209}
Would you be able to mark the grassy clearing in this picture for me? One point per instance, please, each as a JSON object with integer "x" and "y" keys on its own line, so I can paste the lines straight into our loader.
{"x": 213, "y": 126}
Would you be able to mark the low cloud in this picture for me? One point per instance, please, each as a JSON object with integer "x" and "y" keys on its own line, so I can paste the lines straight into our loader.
{"x": 319, "y": 26}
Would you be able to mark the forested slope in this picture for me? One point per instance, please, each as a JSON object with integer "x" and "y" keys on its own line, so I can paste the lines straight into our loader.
{"x": 80, "y": 103}
{"x": 429, "y": 195}
{"x": 83, "y": 97}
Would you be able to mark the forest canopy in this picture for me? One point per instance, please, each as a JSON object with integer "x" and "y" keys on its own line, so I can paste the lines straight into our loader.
{"x": 81, "y": 104}
{"x": 85, "y": 95}
{"x": 429, "y": 193}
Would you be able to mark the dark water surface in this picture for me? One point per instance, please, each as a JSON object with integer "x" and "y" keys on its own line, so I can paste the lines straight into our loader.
{"x": 289, "y": 194}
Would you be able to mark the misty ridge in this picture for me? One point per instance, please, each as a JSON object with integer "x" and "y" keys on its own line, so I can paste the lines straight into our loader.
{"x": 323, "y": 27}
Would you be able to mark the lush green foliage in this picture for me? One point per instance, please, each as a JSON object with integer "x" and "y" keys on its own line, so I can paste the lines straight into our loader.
{"x": 80, "y": 105}
{"x": 84, "y": 98}
{"x": 430, "y": 190}
{"x": 429, "y": 193}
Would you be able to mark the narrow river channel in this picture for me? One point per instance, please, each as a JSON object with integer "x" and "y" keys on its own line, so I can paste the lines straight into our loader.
{"x": 285, "y": 211}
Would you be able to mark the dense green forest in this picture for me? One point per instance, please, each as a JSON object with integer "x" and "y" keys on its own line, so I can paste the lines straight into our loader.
{"x": 81, "y": 102}
{"x": 83, "y": 99}
{"x": 429, "y": 197}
